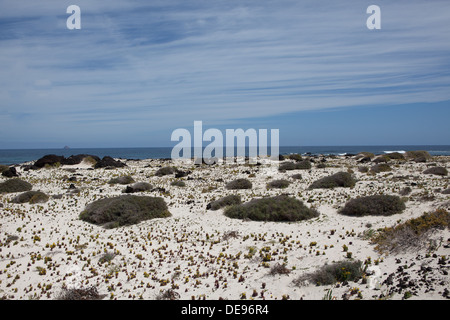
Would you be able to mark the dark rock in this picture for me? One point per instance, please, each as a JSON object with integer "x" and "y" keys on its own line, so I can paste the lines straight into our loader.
{"x": 107, "y": 161}
{"x": 50, "y": 159}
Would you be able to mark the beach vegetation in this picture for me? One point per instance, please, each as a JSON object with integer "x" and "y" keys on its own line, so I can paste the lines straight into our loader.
{"x": 138, "y": 187}
{"x": 240, "y": 183}
{"x": 15, "y": 185}
{"x": 124, "y": 210}
{"x": 375, "y": 205}
{"x": 121, "y": 180}
{"x": 164, "y": 171}
{"x": 277, "y": 208}
{"x": 297, "y": 176}
{"x": 380, "y": 167}
{"x": 31, "y": 197}
{"x": 418, "y": 156}
{"x": 411, "y": 233}
{"x": 178, "y": 183}
{"x": 330, "y": 274}
{"x": 340, "y": 179}
{"x": 440, "y": 171}
{"x": 224, "y": 202}
{"x": 278, "y": 184}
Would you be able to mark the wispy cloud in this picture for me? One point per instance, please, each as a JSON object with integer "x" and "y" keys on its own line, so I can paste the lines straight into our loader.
{"x": 143, "y": 67}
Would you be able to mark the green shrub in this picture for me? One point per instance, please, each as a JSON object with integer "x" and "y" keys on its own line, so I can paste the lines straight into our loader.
{"x": 295, "y": 156}
{"x": 278, "y": 184}
{"x": 302, "y": 165}
{"x": 418, "y": 156}
{"x": 124, "y": 210}
{"x": 383, "y": 158}
{"x": 336, "y": 272}
{"x": 31, "y": 197}
{"x": 164, "y": 171}
{"x": 178, "y": 183}
{"x": 224, "y": 202}
{"x": 440, "y": 171}
{"x": 239, "y": 184}
{"x": 405, "y": 191}
{"x": 376, "y": 205}
{"x": 396, "y": 156}
{"x": 297, "y": 176}
{"x": 90, "y": 293}
{"x": 380, "y": 167}
{"x": 15, "y": 185}
{"x": 278, "y": 208}
{"x": 411, "y": 234}
{"x": 364, "y": 154}
{"x": 340, "y": 179}
{"x": 138, "y": 187}
{"x": 121, "y": 180}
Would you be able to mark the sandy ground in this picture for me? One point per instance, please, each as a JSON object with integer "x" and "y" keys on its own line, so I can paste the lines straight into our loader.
{"x": 45, "y": 247}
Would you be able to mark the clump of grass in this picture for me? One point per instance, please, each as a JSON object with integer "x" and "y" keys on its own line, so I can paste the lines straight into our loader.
{"x": 15, "y": 185}
{"x": 279, "y": 269}
{"x": 124, "y": 210}
{"x": 340, "y": 179}
{"x": 278, "y": 184}
{"x": 224, "y": 202}
{"x": 164, "y": 171}
{"x": 412, "y": 233}
{"x": 378, "y": 205}
{"x": 332, "y": 273}
{"x": 107, "y": 257}
{"x": 297, "y": 176}
{"x": 168, "y": 294}
{"x": 278, "y": 208}
{"x": 239, "y": 184}
{"x": 121, "y": 180}
{"x": 31, "y": 197}
{"x": 440, "y": 171}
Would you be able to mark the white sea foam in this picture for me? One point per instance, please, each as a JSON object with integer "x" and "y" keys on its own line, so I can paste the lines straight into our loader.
{"x": 400, "y": 151}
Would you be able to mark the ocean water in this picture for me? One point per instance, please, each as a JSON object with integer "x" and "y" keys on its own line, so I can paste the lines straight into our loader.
{"x": 18, "y": 156}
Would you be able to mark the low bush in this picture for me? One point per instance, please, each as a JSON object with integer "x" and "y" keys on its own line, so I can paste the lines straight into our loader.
{"x": 297, "y": 176}
{"x": 138, "y": 187}
{"x": 335, "y": 272}
{"x": 164, "y": 171}
{"x": 340, "y": 179}
{"x": 405, "y": 191}
{"x": 124, "y": 210}
{"x": 31, "y": 197}
{"x": 90, "y": 293}
{"x": 446, "y": 191}
{"x": 178, "y": 183}
{"x": 380, "y": 167}
{"x": 121, "y": 180}
{"x": 376, "y": 205}
{"x": 412, "y": 233}
{"x": 439, "y": 171}
{"x": 382, "y": 159}
{"x": 396, "y": 156}
{"x": 15, "y": 185}
{"x": 239, "y": 184}
{"x": 278, "y": 184}
{"x": 417, "y": 156}
{"x": 224, "y": 202}
{"x": 278, "y": 208}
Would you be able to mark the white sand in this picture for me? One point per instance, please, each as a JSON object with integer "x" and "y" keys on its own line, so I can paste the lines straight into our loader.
{"x": 187, "y": 251}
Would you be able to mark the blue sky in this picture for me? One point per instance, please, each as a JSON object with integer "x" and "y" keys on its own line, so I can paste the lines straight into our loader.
{"x": 137, "y": 70}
